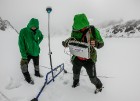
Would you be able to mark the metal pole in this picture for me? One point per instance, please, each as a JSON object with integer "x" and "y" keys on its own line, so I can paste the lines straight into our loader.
{"x": 49, "y": 10}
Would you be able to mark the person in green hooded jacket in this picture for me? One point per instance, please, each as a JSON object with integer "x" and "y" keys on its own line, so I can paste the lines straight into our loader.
{"x": 29, "y": 39}
{"x": 80, "y": 30}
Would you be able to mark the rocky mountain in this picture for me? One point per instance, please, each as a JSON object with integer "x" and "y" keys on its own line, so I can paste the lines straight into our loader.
{"x": 4, "y": 24}
{"x": 109, "y": 23}
{"x": 128, "y": 29}
{"x": 116, "y": 28}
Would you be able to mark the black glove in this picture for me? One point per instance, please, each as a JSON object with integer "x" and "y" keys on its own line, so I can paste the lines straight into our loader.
{"x": 23, "y": 61}
{"x": 64, "y": 44}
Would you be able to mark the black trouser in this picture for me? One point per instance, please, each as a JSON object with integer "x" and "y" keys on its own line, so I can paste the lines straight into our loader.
{"x": 90, "y": 68}
{"x": 35, "y": 59}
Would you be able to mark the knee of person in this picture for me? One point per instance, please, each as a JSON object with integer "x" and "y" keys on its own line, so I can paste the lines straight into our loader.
{"x": 76, "y": 76}
{"x": 36, "y": 67}
{"x": 24, "y": 68}
{"x": 23, "y": 62}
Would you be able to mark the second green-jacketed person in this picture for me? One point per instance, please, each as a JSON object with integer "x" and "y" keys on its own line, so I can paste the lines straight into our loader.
{"x": 83, "y": 32}
{"x": 29, "y": 39}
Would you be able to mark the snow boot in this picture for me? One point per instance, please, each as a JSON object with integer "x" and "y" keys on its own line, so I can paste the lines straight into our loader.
{"x": 28, "y": 78}
{"x": 75, "y": 83}
{"x": 98, "y": 90}
{"x": 31, "y": 82}
{"x": 37, "y": 74}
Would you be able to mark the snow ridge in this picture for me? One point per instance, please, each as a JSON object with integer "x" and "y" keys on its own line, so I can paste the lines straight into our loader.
{"x": 122, "y": 29}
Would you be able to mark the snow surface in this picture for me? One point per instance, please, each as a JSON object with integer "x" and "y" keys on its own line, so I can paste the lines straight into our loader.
{"x": 118, "y": 67}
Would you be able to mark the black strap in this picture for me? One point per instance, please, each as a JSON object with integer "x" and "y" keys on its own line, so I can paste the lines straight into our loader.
{"x": 93, "y": 31}
{"x": 84, "y": 35}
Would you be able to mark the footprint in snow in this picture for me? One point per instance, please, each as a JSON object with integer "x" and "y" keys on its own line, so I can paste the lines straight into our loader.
{"x": 12, "y": 84}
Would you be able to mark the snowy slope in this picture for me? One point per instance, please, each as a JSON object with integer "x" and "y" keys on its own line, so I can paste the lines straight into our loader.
{"x": 118, "y": 60}
{"x": 124, "y": 29}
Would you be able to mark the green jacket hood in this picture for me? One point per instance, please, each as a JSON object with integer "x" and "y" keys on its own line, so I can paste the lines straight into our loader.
{"x": 80, "y": 21}
{"x": 33, "y": 23}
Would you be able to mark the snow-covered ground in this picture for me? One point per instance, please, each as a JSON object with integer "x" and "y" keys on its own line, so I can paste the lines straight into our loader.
{"x": 118, "y": 67}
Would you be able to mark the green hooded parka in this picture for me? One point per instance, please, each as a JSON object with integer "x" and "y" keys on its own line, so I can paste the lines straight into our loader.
{"x": 80, "y": 22}
{"x": 29, "y": 40}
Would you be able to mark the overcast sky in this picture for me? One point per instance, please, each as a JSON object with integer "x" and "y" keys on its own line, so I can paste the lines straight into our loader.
{"x": 19, "y": 12}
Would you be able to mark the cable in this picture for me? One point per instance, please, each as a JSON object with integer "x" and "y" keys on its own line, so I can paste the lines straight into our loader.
{"x": 66, "y": 72}
{"x": 5, "y": 96}
{"x": 97, "y": 76}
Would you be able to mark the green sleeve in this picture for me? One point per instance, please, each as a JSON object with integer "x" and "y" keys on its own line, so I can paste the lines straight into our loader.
{"x": 99, "y": 43}
{"x": 40, "y": 37}
{"x": 21, "y": 44}
{"x": 72, "y": 34}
